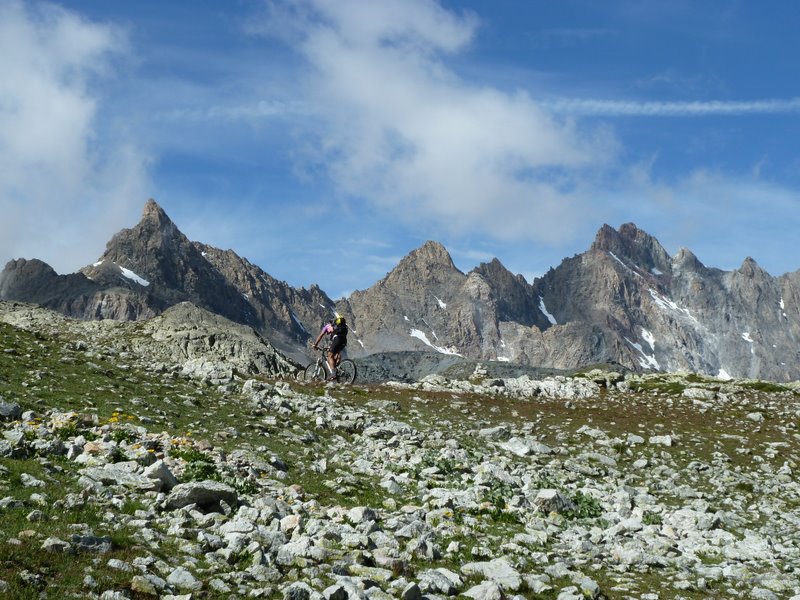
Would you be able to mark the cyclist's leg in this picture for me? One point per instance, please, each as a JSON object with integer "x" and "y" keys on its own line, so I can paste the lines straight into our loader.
{"x": 336, "y": 350}
{"x": 331, "y": 362}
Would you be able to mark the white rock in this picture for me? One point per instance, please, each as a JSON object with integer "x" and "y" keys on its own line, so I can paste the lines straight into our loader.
{"x": 660, "y": 440}
{"x": 549, "y": 500}
{"x": 525, "y": 446}
{"x": 487, "y": 590}
{"x": 498, "y": 570}
{"x": 183, "y": 580}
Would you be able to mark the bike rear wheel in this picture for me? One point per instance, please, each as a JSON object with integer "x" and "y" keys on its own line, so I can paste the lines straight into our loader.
{"x": 346, "y": 371}
{"x": 316, "y": 372}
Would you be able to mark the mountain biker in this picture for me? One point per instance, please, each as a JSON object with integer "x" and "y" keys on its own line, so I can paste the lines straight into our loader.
{"x": 337, "y": 329}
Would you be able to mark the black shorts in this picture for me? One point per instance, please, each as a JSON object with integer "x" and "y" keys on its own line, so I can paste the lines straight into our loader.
{"x": 337, "y": 344}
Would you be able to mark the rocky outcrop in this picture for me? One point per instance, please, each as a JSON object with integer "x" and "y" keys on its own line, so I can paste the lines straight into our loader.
{"x": 673, "y": 313}
{"x": 185, "y": 339}
{"x": 426, "y": 303}
{"x": 404, "y": 310}
{"x": 75, "y": 294}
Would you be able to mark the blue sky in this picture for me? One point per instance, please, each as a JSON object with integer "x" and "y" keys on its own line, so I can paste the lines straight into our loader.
{"x": 323, "y": 140}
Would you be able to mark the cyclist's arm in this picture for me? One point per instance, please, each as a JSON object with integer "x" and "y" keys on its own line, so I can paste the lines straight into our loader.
{"x": 326, "y": 329}
{"x": 319, "y": 337}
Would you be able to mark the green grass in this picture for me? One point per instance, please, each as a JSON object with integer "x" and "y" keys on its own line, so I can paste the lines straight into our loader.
{"x": 669, "y": 388}
{"x": 764, "y": 386}
{"x": 62, "y": 572}
{"x": 586, "y": 507}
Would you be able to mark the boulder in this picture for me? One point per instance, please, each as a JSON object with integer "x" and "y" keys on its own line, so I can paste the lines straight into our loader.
{"x": 207, "y": 495}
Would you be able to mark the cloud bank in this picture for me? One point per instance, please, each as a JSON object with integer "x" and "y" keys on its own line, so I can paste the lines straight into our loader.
{"x": 400, "y": 130}
{"x": 63, "y": 182}
{"x": 395, "y": 126}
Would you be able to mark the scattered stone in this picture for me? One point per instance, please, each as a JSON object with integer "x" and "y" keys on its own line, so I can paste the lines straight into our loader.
{"x": 31, "y": 481}
{"x": 552, "y": 501}
{"x": 205, "y": 494}
{"x": 55, "y": 545}
{"x": 10, "y": 411}
{"x": 184, "y": 581}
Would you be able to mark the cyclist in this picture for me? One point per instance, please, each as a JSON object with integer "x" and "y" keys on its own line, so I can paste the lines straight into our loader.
{"x": 337, "y": 329}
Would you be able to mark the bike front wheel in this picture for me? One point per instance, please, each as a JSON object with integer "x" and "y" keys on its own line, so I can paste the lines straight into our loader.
{"x": 315, "y": 372}
{"x": 346, "y": 371}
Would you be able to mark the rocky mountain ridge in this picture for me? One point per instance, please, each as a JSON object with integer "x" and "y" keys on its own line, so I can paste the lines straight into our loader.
{"x": 624, "y": 301}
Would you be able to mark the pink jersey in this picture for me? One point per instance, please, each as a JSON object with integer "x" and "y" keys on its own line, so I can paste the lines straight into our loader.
{"x": 328, "y": 328}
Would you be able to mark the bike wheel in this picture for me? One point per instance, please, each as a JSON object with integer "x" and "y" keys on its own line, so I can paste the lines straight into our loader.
{"x": 316, "y": 372}
{"x": 346, "y": 372}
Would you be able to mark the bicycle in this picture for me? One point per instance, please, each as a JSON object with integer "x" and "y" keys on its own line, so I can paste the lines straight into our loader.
{"x": 319, "y": 370}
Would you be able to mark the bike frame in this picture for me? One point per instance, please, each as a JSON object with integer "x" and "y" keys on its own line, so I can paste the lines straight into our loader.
{"x": 320, "y": 367}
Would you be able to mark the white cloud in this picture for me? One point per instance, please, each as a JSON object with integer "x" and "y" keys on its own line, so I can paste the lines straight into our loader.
{"x": 400, "y": 129}
{"x": 62, "y": 180}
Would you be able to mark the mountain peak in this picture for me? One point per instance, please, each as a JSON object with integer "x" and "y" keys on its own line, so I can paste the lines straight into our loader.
{"x": 428, "y": 265}
{"x": 494, "y": 266}
{"x": 611, "y": 239}
{"x": 634, "y": 244}
{"x": 685, "y": 258}
{"x": 607, "y": 238}
{"x": 750, "y": 268}
{"x": 154, "y": 214}
{"x": 430, "y": 253}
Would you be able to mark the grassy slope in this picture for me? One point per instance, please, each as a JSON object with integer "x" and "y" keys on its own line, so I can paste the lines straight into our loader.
{"x": 55, "y": 371}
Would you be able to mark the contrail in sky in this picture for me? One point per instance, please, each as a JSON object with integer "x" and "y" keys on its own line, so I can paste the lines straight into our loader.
{"x": 671, "y": 109}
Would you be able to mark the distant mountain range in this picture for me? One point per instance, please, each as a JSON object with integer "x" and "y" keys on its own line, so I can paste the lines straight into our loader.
{"x": 625, "y": 300}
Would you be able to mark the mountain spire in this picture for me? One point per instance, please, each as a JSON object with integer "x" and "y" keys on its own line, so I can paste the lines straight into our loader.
{"x": 155, "y": 215}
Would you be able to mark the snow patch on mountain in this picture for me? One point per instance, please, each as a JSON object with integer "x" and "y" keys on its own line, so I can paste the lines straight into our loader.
{"x": 646, "y": 361}
{"x": 420, "y": 335}
{"x": 630, "y": 270}
{"x": 299, "y": 324}
{"x": 667, "y": 304}
{"x": 649, "y": 338}
{"x": 746, "y": 337}
{"x": 546, "y": 313}
{"x": 133, "y": 276}
{"x": 723, "y": 374}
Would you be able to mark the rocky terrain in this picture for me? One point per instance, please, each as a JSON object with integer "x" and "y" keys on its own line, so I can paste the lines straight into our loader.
{"x": 177, "y": 457}
{"x": 624, "y": 301}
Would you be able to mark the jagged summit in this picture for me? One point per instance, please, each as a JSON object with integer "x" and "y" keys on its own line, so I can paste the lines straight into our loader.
{"x": 429, "y": 266}
{"x": 515, "y": 298}
{"x": 430, "y": 255}
{"x": 686, "y": 258}
{"x": 153, "y": 214}
{"x": 155, "y": 250}
{"x": 750, "y": 268}
{"x": 631, "y": 243}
